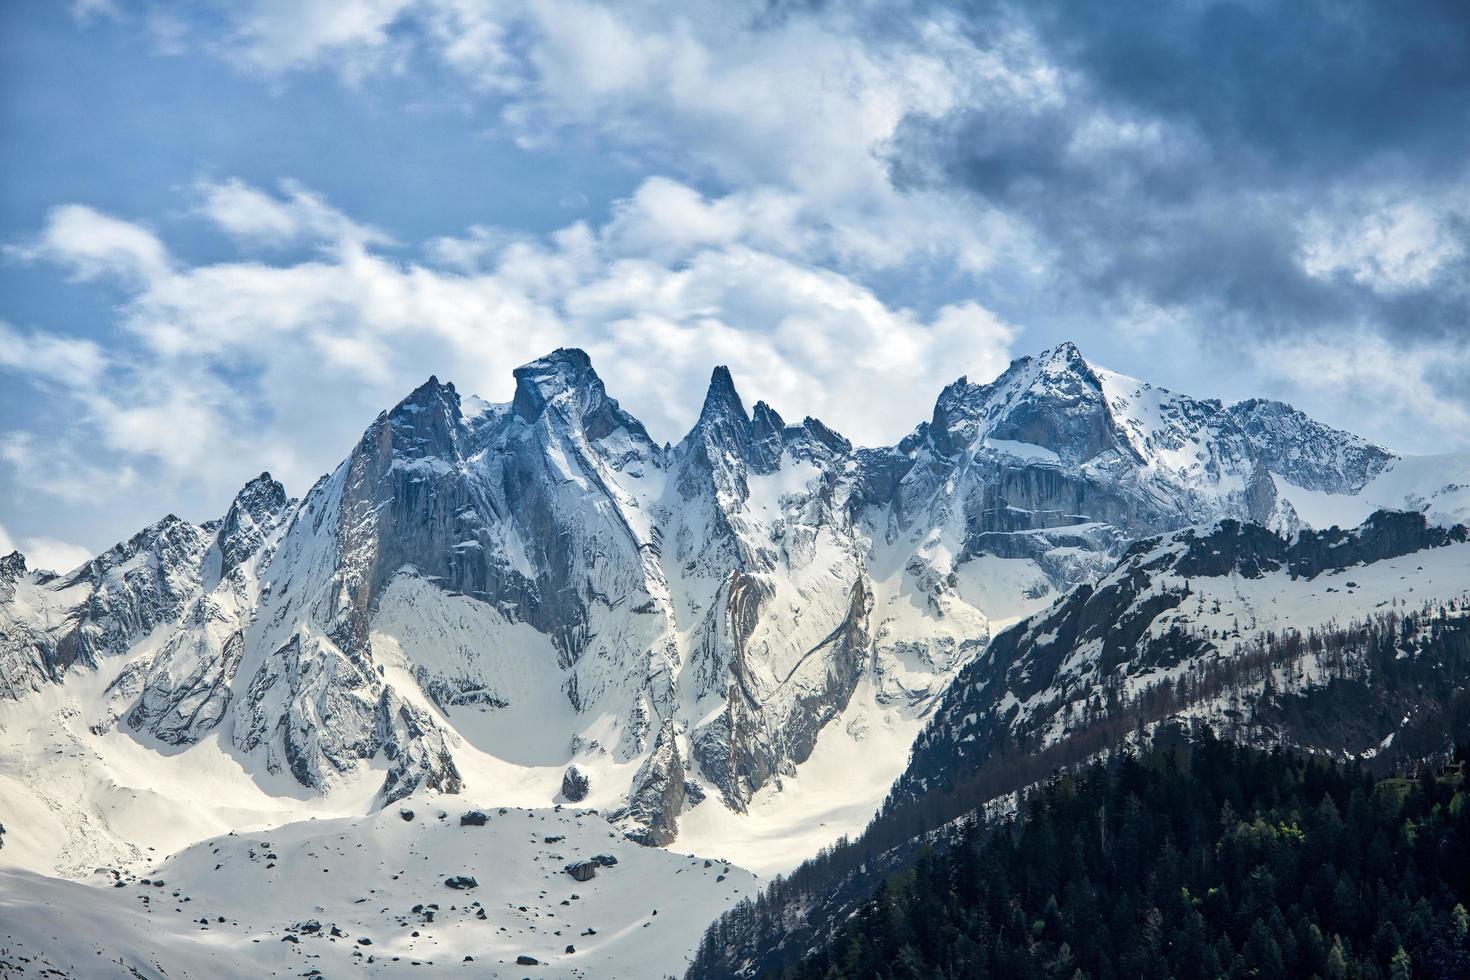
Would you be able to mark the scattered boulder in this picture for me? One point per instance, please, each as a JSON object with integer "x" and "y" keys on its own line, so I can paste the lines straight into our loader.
{"x": 575, "y": 784}
{"x": 582, "y": 870}
{"x": 554, "y": 839}
{"x": 571, "y": 949}
{"x": 475, "y": 818}
{"x": 604, "y": 860}
{"x": 524, "y": 960}
{"x": 406, "y": 814}
{"x": 461, "y": 882}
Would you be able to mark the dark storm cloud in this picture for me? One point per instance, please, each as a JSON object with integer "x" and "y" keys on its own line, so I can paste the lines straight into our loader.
{"x": 1192, "y": 140}
{"x": 1325, "y": 84}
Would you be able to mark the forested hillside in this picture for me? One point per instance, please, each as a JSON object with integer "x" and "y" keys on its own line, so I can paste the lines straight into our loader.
{"x": 1210, "y": 860}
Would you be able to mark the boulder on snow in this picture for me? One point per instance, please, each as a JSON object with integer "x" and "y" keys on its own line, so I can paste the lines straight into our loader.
{"x": 474, "y": 818}
{"x": 461, "y": 882}
{"x": 524, "y": 960}
{"x": 406, "y": 814}
{"x": 604, "y": 860}
{"x": 575, "y": 784}
{"x": 582, "y": 870}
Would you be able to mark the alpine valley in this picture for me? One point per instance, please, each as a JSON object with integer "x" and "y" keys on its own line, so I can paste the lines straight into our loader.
{"x": 514, "y": 679}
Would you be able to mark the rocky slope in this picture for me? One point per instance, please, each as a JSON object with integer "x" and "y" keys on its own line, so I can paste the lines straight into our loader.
{"x": 500, "y": 592}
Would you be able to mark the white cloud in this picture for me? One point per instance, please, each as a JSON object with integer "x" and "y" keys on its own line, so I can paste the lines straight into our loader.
{"x": 241, "y": 365}
{"x": 1387, "y": 245}
{"x": 275, "y": 36}
{"x": 68, "y": 361}
{"x": 91, "y": 244}
{"x": 799, "y": 102}
{"x": 66, "y": 465}
{"x": 44, "y": 552}
{"x": 253, "y": 216}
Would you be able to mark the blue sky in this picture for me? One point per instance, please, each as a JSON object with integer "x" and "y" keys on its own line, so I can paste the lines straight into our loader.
{"x": 232, "y": 233}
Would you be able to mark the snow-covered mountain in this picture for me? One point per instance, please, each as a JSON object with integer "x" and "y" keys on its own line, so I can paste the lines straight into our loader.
{"x": 1273, "y": 639}
{"x": 537, "y": 601}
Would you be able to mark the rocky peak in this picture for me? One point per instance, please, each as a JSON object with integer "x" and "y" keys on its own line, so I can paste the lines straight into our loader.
{"x": 565, "y": 381}
{"x": 259, "y": 498}
{"x": 1054, "y": 400}
{"x": 428, "y": 422}
{"x": 721, "y": 400}
{"x": 724, "y": 437}
{"x": 253, "y": 512}
{"x": 1306, "y": 452}
{"x": 165, "y": 537}
{"x": 12, "y": 569}
{"x": 765, "y": 421}
{"x": 1064, "y": 358}
{"x": 824, "y": 438}
{"x": 12, "y": 566}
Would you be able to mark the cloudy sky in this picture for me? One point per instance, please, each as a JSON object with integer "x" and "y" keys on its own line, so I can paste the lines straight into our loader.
{"x": 234, "y": 232}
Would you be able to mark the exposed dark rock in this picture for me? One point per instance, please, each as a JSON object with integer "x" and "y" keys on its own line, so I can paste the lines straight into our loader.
{"x": 473, "y": 818}
{"x": 658, "y": 792}
{"x": 575, "y": 784}
{"x": 461, "y": 882}
{"x": 582, "y": 870}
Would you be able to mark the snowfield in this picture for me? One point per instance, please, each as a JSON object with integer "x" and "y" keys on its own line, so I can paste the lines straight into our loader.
{"x": 368, "y": 895}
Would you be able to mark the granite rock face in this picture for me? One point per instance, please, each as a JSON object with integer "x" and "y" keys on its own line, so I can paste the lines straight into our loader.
{"x": 695, "y": 614}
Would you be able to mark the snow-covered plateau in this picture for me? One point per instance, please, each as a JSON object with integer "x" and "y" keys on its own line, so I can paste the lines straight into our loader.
{"x": 724, "y": 646}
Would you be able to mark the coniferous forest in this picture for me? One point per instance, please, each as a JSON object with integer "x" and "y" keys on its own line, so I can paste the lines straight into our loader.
{"x": 1210, "y": 860}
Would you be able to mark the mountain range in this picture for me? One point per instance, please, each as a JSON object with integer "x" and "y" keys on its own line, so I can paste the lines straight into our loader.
{"x": 726, "y": 644}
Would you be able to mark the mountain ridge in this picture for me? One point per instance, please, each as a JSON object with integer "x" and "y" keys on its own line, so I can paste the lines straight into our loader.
{"x": 680, "y": 622}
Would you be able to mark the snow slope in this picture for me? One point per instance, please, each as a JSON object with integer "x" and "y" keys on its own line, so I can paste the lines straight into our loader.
{"x": 242, "y": 905}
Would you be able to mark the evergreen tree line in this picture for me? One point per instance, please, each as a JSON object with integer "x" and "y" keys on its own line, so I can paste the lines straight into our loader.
{"x": 1211, "y": 861}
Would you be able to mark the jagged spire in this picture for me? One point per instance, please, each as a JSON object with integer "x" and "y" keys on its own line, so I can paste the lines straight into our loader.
{"x": 721, "y": 400}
